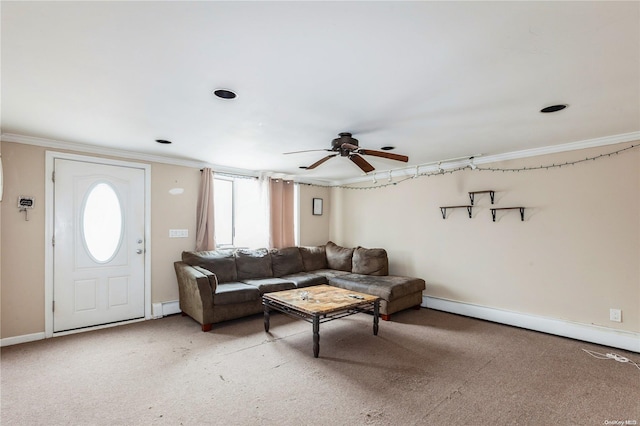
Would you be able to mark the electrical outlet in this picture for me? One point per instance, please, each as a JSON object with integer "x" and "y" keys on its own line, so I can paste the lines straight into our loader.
{"x": 615, "y": 315}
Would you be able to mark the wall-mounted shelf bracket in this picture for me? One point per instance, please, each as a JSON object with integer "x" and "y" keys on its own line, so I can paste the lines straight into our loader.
{"x": 491, "y": 193}
{"x": 493, "y": 211}
{"x": 444, "y": 210}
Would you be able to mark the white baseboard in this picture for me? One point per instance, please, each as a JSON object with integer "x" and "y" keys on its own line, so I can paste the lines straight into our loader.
{"x": 159, "y": 310}
{"x": 627, "y": 340}
{"x": 25, "y": 338}
{"x": 166, "y": 308}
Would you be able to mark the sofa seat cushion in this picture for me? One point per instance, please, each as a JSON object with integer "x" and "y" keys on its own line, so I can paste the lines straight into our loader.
{"x": 235, "y": 292}
{"x": 268, "y": 285}
{"x": 220, "y": 262}
{"x": 390, "y": 287}
{"x": 370, "y": 261}
{"x": 313, "y": 258}
{"x": 329, "y": 272}
{"x": 305, "y": 279}
{"x": 286, "y": 261}
{"x": 339, "y": 257}
{"x": 253, "y": 264}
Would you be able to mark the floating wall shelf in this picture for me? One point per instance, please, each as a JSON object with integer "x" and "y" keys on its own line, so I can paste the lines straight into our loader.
{"x": 444, "y": 210}
{"x": 491, "y": 193}
{"x": 493, "y": 211}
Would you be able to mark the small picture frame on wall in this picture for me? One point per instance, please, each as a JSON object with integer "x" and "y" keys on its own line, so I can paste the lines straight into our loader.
{"x": 317, "y": 206}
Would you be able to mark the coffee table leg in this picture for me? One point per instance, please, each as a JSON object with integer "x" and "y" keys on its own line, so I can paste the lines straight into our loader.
{"x": 316, "y": 336}
{"x": 376, "y": 314}
{"x": 266, "y": 317}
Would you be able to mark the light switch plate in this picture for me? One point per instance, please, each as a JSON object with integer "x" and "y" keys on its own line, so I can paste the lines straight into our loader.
{"x": 178, "y": 233}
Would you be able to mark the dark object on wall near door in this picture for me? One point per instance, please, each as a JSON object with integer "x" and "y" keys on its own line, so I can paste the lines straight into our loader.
{"x": 317, "y": 206}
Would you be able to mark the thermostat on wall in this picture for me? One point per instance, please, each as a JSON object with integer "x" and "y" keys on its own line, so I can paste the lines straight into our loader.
{"x": 25, "y": 202}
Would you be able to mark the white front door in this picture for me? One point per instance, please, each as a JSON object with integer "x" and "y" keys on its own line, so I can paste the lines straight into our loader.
{"x": 99, "y": 244}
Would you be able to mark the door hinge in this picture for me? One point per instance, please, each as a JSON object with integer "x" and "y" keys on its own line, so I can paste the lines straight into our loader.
{"x": 53, "y": 307}
{"x": 53, "y": 176}
{"x": 53, "y": 241}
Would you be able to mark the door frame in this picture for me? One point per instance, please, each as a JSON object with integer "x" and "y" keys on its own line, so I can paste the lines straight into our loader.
{"x": 50, "y": 157}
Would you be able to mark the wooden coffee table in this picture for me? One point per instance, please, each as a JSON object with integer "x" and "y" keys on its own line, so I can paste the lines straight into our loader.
{"x": 318, "y": 304}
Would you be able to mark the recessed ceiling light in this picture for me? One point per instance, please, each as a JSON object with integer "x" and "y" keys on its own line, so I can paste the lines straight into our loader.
{"x": 224, "y": 93}
{"x": 553, "y": 108}
{"x": 163, "y": 141}
{"x": 388, "y": 148}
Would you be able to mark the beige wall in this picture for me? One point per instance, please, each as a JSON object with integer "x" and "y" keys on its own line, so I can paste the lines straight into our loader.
{"x": 171, "y": 212}
{"x": 314, "y": 230}
{"x": 22, "y": 279}
{"x": 576, "y": 255}
{"x": 23, "y": 245}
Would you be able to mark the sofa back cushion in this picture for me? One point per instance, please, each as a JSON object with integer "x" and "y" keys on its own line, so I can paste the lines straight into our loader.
{"x": 253, "y": 264}
{"x": 339, "y": 257}
{"x": 220, "y": 262}
{"x": 286, "y": 261}
{"x": 370, "y": 261}
{"x": 313, "y": 258}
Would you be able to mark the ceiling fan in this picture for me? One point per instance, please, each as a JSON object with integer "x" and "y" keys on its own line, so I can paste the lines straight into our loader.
{"x": 347, "y": 146}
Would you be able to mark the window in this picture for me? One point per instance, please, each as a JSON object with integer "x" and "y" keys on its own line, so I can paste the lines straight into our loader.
{"x": 102, "y": 222}
{"x": 240, "y": 213}
{"x": 223, "y": 207}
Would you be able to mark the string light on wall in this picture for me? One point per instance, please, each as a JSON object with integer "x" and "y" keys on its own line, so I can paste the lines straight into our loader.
{"x": 471, "y": 165}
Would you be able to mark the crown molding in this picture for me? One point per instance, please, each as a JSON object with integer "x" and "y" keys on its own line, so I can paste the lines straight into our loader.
{"x": 486, "y": 159}
{"x": 394, "y": 173}
{"x": 122, "y": 153}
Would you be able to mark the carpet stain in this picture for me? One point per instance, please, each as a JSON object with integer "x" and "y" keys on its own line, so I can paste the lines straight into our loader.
{"x": 183, "y": 351}
{"x": 373, "y": 417}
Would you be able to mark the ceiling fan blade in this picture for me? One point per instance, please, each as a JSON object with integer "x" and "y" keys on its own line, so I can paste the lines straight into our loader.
{"x": 362, "y": 163}
{"x": 383, "y": 154}
{"x": 307, "y": 150}
{"x": 317, "y": 163}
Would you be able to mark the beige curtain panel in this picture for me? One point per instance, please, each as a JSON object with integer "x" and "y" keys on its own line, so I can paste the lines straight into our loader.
{"x": 204, "y": 224}
{"x": 281, "y": 227}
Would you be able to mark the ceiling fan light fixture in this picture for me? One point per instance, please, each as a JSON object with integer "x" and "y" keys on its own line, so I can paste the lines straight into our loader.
{"x": 553, "y": 108}
{"x": 224, "y": 93}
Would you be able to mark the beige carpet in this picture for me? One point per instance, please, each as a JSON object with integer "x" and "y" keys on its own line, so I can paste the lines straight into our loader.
{"x": 424, "y": 367}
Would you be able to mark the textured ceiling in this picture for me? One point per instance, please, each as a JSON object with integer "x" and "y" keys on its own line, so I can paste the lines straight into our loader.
{"x": 437, "y": 80}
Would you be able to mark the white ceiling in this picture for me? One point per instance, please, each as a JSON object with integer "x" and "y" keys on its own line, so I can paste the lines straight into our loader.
{"x": 437, "y": 80}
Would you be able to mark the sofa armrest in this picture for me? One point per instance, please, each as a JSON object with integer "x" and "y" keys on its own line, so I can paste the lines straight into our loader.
{"x": 213, "y": 278}
{"x": 196, "y": 292}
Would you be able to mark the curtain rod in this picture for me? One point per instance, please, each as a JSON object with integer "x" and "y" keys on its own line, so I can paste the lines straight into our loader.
{"x": 232, "y": 175}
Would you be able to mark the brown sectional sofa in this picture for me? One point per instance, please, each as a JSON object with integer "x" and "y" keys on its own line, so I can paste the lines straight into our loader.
{"x": 221, "y": 285}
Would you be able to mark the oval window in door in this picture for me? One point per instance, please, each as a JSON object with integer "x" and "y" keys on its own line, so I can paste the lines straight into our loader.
{"x": 102, "y": 222}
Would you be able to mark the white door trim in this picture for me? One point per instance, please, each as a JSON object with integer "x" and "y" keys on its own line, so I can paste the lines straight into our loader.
{"x": 50, "y": 157}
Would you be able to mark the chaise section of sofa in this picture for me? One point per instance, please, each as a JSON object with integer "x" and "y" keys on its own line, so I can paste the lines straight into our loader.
{"x": 216, "y": 286}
